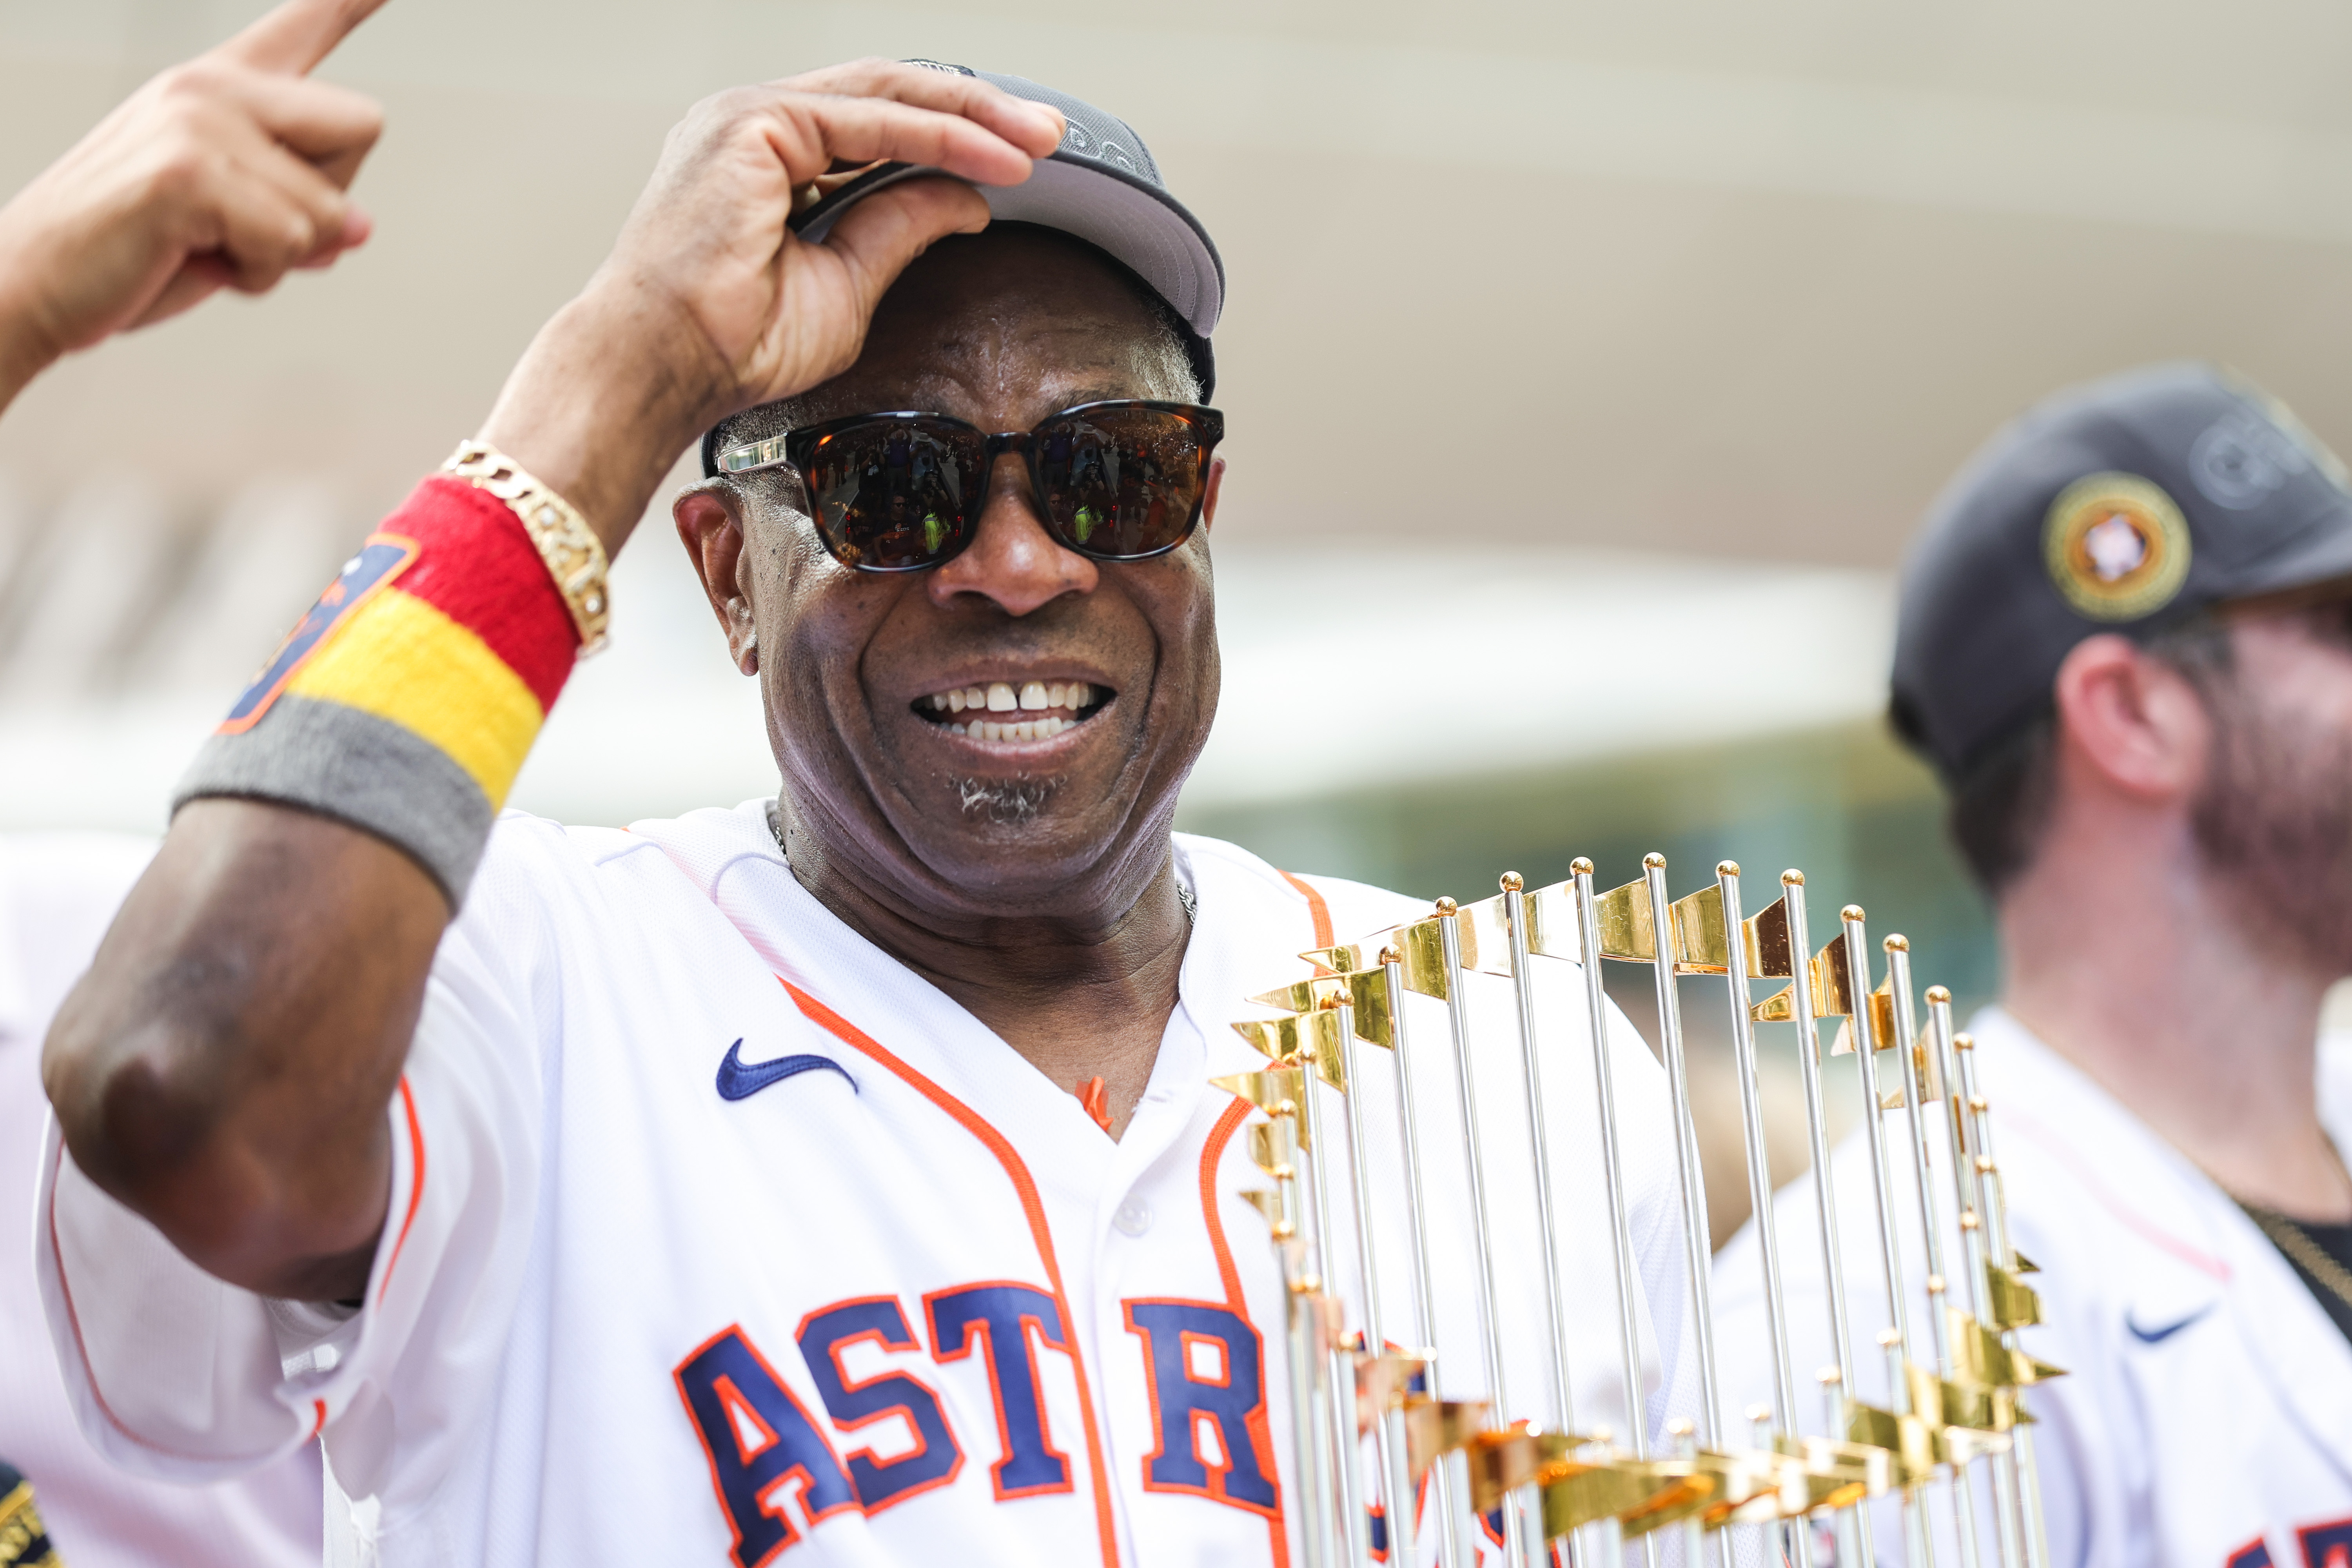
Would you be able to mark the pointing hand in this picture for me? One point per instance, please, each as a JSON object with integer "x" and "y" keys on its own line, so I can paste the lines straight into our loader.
{"x": 224, "y": 171}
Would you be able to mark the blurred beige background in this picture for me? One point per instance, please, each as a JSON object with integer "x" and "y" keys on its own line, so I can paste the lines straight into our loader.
{"x": 1739, "y": 278}
{"x": 1693, "y": 305}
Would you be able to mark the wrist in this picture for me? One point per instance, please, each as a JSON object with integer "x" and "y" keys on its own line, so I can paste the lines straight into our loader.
{"x": 604, "y": 399}
{"x": 406, "y": 699}
{"x": 26, "y": 348}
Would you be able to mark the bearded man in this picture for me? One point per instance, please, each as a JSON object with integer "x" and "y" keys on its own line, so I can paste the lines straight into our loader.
{"x": 839, "y": 1173}
{"x": 2125, "y": 643}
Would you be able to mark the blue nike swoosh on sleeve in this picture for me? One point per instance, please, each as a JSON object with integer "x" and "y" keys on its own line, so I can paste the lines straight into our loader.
{"x": 739, "y": 1080}
{"x": 2158, "y": 1336}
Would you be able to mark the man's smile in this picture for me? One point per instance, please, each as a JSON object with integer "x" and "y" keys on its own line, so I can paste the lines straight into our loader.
{"x": 1016, "y": 712}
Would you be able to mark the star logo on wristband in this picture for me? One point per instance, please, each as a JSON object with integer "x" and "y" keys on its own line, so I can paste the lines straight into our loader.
{"x": 384, "y": 557}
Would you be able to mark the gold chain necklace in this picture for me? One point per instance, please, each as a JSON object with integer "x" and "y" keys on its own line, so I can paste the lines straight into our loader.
{"x": 2289, "y": 1237}
{"x": 2286, "y": 1234}
{"x": 2295, "y": 1241}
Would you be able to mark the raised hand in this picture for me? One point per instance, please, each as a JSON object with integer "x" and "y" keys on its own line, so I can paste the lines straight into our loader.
{"x": 709, "y": 303}
{"x": 224, "y": 171}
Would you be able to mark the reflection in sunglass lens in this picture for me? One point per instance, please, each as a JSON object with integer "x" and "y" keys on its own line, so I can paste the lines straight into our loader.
{"x": 1121, "y": 482}
{"x": 895, "y": 495}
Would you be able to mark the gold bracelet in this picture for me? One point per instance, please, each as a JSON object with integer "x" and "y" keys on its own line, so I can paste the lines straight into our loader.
{"x": 575, "y": 556}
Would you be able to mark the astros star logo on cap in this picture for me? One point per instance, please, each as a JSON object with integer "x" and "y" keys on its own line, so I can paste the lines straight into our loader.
{"x": 2116, "y": 546}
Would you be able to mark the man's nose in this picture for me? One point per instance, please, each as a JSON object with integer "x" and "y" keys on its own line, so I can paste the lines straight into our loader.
{"x": 1012, "y": 559}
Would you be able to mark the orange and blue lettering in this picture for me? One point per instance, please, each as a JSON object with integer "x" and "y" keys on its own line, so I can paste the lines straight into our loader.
{"x": 759, "y": 1440}
{"x": 1002, "y": 1316}
{"x": 823, "y": 1335}
{"x": 2326, "y": 1545}
{"x": 1222, "y": 1391}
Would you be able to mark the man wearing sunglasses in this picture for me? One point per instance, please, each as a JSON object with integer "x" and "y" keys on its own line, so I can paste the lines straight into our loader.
{"x": 837, "y": 1175}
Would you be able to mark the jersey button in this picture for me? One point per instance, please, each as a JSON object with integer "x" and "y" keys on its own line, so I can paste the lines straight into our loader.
{"x": 1133, "y": 1219}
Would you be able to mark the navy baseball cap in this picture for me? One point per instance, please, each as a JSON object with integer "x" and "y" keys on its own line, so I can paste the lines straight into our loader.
{"x": 1100, "y": 186}
{"x": 2132, "y": 505}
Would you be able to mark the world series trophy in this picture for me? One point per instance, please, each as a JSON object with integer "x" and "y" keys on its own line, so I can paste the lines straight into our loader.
{"x": 1384, "y": 1458}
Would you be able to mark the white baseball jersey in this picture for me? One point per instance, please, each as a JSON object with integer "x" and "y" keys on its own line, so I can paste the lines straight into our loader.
{"x": 57, "y": 893}
{"x": 718, "y": 1236}
{"x": 2206, "y": 1419}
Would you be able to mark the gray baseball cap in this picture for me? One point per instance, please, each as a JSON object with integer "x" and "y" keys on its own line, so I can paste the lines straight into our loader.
{"x": 1100, "y": 184}
{"x": 2130, "y": 505}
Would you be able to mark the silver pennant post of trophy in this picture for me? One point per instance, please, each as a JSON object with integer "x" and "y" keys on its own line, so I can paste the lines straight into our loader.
{"x": 1370, "y": 1422}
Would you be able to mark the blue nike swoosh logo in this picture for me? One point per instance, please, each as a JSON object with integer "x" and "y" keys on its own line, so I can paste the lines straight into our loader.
{"x": 2158, "y": 1336}
{"x": 739, "y": 1080}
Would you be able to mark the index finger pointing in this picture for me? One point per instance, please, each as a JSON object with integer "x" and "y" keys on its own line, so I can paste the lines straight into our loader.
{"x": 298, "y": 35}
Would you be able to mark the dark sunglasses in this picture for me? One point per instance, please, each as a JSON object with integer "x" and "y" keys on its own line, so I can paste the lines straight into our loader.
{"x": 1121, "y": 480}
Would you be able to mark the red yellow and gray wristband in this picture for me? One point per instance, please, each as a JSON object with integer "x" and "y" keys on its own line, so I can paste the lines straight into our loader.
{"x": 405, "y": 700}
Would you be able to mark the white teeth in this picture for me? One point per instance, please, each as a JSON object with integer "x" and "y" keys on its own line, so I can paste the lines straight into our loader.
{"x": 1002, "y": 697}
{"x": 1029, "y": 729}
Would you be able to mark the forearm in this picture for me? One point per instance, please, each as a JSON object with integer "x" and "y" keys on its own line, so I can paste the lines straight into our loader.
{"x": 223, "y": 1070}
{"x": 604, "y": 432}
{"x": 224, "y": 1067}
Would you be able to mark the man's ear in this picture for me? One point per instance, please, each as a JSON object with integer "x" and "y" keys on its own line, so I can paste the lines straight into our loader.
{"x": 1209, "y": 496}
{"x": 710, "y": 520}
{"x": 2131, "y": 721}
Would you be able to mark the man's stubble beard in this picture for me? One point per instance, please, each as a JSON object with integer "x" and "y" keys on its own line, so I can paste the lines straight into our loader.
{"x": 1006, "y": 803}
{"x": 2274, "y": 824}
